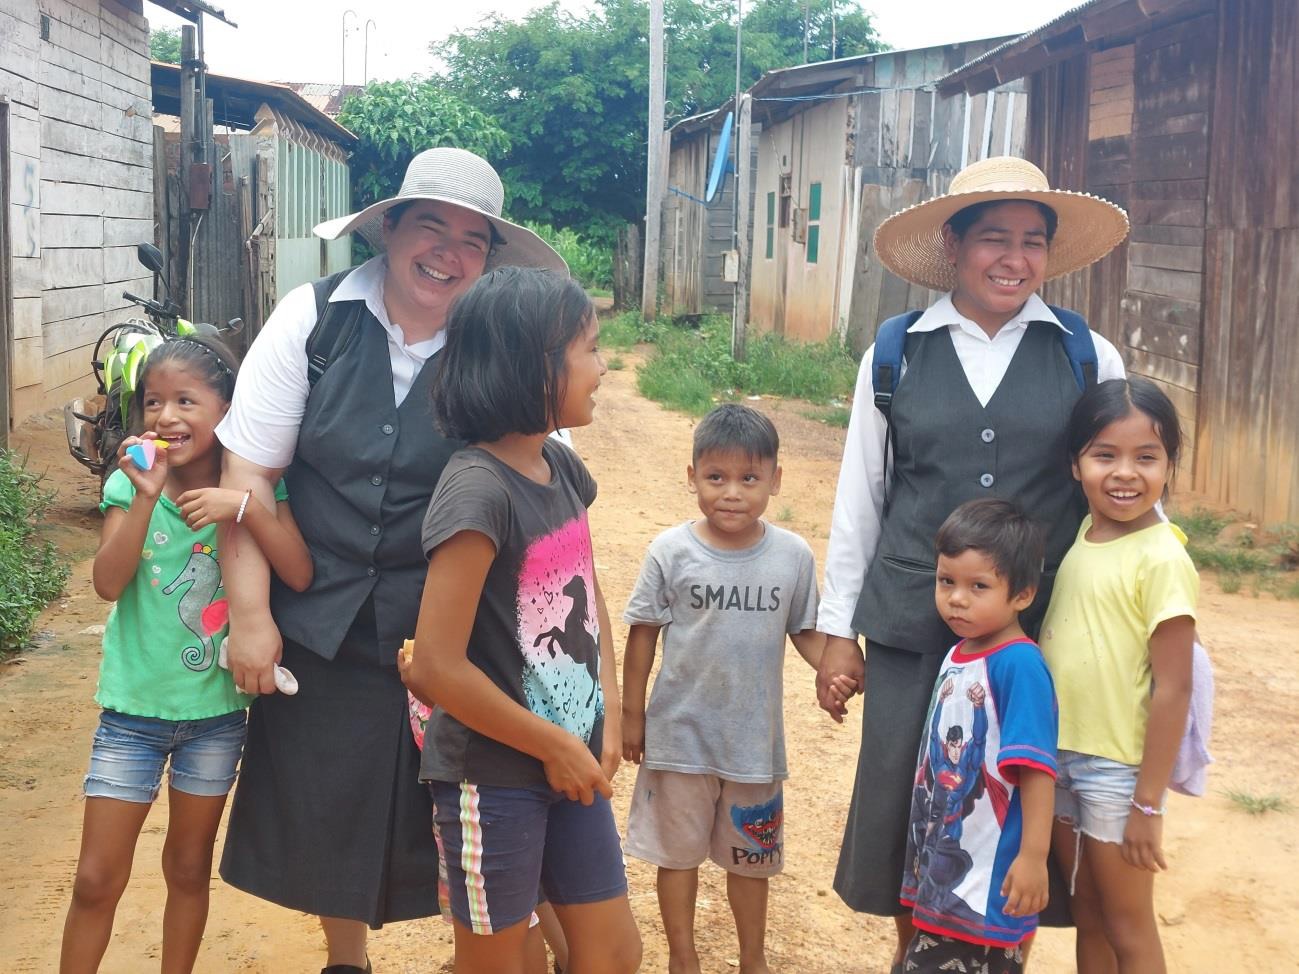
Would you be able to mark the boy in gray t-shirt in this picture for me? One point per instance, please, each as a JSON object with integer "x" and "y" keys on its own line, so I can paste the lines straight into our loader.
{"x": 725, "y": 590}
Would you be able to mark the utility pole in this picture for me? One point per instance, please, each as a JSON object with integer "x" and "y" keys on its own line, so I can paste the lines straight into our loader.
{"x": 365, "y": 57}
{"x": 739, "y": 210}
{"x": 654, "y": 166}
{"x": 806, "y": 13}
{"x": 342, "y": 71}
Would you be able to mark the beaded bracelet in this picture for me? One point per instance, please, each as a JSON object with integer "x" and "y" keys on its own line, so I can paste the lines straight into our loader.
{"x": 1149, "y": 811}
{"x": 243, "y": 504}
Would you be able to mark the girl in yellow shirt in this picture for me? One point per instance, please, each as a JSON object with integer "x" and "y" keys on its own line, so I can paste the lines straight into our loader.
{"x": 1118, "y": 637}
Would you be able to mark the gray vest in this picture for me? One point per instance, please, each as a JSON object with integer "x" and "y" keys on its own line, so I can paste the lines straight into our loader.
{"x": 950, "y": 449}
{"x": 360, "y": 484}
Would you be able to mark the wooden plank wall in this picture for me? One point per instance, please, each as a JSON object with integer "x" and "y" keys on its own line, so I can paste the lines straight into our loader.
{"x": 696, "y": 236}
{"x": 82, "y": 187}
{"x": 1249, "y": 412}
{"x": 682, "y": 237}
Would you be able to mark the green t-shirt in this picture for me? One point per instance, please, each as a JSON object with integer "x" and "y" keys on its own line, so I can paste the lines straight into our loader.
{"x": 163, "y": 635}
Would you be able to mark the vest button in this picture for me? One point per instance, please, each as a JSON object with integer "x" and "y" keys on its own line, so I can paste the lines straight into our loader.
{"x": 388, "y": 429}
{"x": 374, "y": 529}
{"x": 987, "y": 480}
{"x": 372, "y": 571}
{"x": 376, "y": 480}
{"x": 988, "y": 435}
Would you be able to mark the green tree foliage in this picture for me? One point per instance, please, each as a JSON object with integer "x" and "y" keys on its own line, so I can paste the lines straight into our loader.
{"x": 572, "y": 92}
{"x": 164, "y": 45}
{"x": 397, "y": 119}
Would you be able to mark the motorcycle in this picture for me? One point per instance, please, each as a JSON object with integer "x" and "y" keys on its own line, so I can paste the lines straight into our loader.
{"x": 95, "y": 427}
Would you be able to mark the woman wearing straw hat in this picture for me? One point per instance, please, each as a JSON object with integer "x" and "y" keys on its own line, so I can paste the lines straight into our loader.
{"x": 329, "y": 817}
{"x": 980, "y": 410}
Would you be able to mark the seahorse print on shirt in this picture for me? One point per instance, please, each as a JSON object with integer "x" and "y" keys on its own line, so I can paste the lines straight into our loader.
{"x": 559, "y": 632}
{"x": 201, "y": 578}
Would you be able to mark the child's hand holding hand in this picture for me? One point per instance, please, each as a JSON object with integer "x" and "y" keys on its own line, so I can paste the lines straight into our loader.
{"x": 209, "y": 505}
{"x": 633, "y": 736}
{"x": 1143, "y": 842}
{"x": 1025, "y": 887}
{"x": 147, "y": 482}
{"x": 842, "y": 689}
{"x": 571, "y": 769}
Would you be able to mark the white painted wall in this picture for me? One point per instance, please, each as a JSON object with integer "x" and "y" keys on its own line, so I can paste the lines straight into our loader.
{"x": 81, "y": 183}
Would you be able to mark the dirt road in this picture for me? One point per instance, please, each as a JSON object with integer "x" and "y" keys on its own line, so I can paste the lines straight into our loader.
{"x": 1227, "y": 903}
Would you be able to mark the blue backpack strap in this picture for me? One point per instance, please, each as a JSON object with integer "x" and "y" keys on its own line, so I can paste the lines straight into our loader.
{"x": 886, "y": 363}
{"x": 1078, "y": 346}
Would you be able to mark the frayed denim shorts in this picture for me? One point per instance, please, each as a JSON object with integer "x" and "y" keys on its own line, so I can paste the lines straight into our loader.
{"x": 1094, "y": 794}
{"x": 129, "y": 753}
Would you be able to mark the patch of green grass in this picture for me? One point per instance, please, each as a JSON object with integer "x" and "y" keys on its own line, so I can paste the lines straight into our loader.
{"x": 625, "y": 330}
{"x": 599, "y": 292}
{"x": 688, "y": 358}
{"x": 1229, "y": 582}
{"x": 786, "y": 513}
{"x": 836, "y": 416}
{"x": 31, "y": 572}
{"x": 1257, "y": 804}
{"x": 1200, "y": 524}
{"x": 617, "y": 363}
{"x": 1239, "y": 561}
{"x": 683, "y": 389}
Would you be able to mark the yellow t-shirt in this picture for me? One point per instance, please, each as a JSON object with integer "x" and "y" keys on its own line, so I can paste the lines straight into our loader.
{"x": 1108, "y": 600}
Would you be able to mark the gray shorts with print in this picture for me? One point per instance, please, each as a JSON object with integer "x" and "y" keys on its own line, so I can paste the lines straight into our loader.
{"x": 678, "y": 820}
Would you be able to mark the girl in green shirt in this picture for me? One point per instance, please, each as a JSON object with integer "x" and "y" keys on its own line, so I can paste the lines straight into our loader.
{"x": 163, "y": 694}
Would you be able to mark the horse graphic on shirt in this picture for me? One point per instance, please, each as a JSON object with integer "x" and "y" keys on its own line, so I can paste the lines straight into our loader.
{"x": 562, "y": 685}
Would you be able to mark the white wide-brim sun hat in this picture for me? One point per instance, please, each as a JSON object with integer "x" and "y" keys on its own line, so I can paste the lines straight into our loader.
{"x": 910, "y": 242}
{"x": 464, "y": 179}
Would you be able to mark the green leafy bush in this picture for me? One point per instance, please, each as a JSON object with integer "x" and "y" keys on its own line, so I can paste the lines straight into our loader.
{"x": 589, "y": 261}
{"x": 31, "y": 573}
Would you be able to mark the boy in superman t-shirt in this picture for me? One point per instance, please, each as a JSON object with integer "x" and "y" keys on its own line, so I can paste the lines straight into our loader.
{"x": 980, "y": 828}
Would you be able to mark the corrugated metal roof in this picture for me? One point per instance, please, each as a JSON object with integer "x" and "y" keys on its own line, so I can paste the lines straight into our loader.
{"x": 1023, "y": 39}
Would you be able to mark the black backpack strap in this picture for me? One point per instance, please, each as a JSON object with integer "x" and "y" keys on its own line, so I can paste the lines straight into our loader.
{"x": 335, "y": 325}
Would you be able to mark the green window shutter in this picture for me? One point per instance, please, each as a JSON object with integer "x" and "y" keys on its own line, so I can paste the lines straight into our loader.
{"x": 771, "y": 208}
{"x": 771, "y": 242}
{"x": 813, "y": 243}
{"x": 814, "y": 202}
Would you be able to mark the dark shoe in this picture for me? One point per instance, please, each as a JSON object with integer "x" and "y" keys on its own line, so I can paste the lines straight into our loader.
{"x": 347, "y": 968}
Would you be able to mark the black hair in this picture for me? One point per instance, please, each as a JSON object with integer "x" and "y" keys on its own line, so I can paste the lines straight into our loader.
{"x": 955, "y": 734}
{"x": 502, "y": 370}
{"x": 962, "y": 220}
{"x": 207, "y": 357}
{"x": 733, "y": 428}
{"x": 1110, "y": 401}
{"x": 1002, "y": 532}
{"x": 392, "y": 216}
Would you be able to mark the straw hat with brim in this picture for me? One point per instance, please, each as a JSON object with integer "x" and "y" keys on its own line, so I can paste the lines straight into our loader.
{"x": 456, "y": 176}
{"x": 910, "y": 242}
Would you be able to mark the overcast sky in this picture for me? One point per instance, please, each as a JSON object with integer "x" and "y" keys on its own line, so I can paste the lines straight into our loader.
{"x": 302, "y": 40}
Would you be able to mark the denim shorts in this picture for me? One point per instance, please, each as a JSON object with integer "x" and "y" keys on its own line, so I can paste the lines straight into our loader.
{"x": 500, "y": 849}
{"x": 1094, "y": 794}
{"x": 129, "y": 753}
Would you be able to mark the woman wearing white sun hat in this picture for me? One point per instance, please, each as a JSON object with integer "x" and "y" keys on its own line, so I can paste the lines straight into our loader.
{"x": 329, "y": 817}
{"x": 980, "y": 410}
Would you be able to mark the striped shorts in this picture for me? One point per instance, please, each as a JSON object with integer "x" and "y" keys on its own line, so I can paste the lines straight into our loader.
{"x": 503, "y": 850}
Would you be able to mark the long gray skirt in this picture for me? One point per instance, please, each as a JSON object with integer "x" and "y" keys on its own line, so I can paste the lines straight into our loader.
{"x": 899, "y": 685}
{"x": 329, "y": 816}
